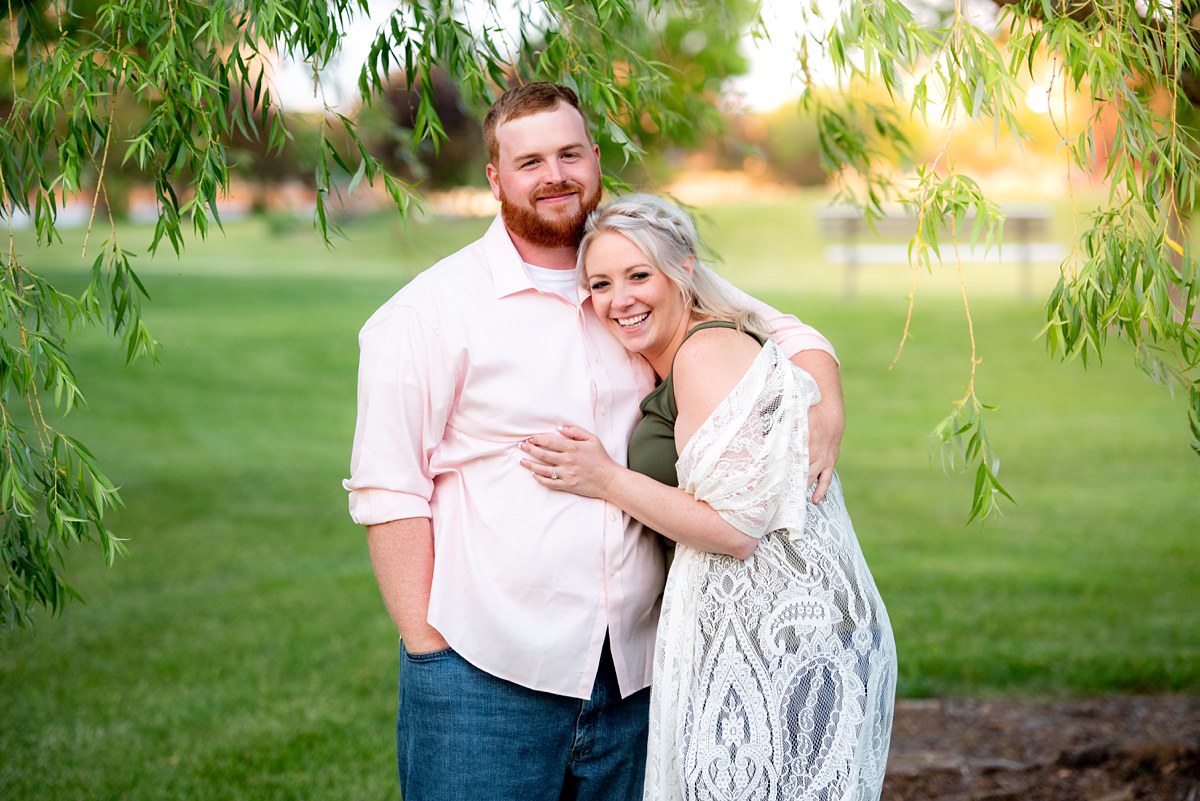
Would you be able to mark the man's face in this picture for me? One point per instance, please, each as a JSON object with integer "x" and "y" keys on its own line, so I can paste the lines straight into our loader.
{"x": 547, "y": 178}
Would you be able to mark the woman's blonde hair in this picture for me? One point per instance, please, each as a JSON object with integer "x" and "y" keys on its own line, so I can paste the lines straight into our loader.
{"x": 666, "y": 235}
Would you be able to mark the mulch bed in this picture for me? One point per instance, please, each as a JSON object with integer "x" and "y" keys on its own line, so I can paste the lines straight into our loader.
{"x": 1109, "y": 748}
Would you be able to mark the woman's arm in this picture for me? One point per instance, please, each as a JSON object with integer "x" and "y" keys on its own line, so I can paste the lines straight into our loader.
{"x": 577, "y": 462}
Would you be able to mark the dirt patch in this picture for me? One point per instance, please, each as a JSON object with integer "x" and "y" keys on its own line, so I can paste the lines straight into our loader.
{"x": 1111, "y": 748}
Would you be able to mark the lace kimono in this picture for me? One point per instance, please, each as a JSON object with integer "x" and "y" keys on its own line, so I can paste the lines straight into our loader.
{"x": 774, "y": 678}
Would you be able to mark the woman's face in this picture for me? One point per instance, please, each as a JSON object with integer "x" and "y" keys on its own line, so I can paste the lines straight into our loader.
{"x": 639, "y": 304}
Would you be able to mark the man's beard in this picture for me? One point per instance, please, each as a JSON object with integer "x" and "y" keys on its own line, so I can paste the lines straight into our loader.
{"x": 558, "y": 231}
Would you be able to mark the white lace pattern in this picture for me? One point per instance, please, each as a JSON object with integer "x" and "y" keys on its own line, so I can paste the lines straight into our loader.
{"x": 774, "y": 678}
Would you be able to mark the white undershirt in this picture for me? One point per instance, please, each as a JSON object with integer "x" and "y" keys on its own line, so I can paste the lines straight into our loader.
{"x": 560, "y": 282}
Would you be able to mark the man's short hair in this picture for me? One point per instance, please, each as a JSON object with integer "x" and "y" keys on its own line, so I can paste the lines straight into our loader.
{"x": 521, "y": 101}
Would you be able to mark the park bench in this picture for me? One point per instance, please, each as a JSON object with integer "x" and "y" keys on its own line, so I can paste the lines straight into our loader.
{"x": 885, "y": 241}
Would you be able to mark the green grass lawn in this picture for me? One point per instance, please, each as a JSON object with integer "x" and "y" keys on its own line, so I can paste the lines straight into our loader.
{"x": 240, "y": 650}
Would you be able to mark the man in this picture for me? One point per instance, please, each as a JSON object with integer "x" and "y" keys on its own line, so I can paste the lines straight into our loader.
{"x": 527, "y": 643}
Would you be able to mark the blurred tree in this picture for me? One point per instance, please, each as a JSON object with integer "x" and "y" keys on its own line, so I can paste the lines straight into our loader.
{"x": 264, "y": 165}
{"x": 700, "y": 48}
{"x": 456, "y": 160}
{"x": 788, "y": 144}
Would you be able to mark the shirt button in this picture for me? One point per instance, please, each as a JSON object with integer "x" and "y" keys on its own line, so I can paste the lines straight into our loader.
{"x": 612, "y": 516}
{"x": 603, "y": 411}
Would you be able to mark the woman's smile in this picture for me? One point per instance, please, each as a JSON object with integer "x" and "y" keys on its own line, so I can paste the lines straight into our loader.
{"x": 632, "y": 322}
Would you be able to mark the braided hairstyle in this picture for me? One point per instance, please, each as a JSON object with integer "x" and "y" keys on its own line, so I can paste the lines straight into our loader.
{"x": 666, "y": 235}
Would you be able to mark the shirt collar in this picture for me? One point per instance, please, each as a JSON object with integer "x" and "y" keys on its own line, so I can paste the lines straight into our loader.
{"x": 508, "y": 269}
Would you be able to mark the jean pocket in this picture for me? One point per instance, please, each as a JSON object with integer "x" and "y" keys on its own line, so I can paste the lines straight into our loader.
{"x": 428, "y": 657}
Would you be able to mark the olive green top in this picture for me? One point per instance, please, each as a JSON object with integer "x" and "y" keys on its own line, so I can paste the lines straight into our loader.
{"x": 652, "y": 446}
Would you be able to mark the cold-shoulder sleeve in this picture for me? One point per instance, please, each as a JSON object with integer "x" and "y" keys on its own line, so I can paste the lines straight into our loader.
{"x": 749, "y": 459}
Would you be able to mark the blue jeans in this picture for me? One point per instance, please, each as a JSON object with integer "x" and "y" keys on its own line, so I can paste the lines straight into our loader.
{"x": 465, "y": 735}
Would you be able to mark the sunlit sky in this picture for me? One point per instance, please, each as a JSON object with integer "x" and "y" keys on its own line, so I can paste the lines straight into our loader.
{"x": 771, "y": 80}
{"x": 769, "y": 83}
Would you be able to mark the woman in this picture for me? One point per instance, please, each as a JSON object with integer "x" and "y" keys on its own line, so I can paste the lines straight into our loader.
{"x": 775, "y": 668}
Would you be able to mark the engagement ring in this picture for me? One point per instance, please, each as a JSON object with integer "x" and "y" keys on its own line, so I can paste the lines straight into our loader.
{"x": 554, "y": 475}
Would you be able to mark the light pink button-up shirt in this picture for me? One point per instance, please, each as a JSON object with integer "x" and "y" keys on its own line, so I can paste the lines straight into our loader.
{"x": 460, "y": 366}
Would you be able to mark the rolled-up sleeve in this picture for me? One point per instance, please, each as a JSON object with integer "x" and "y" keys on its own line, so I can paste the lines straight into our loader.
{"x": 791, "y": 335}
{"x": 405, "y": 393}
